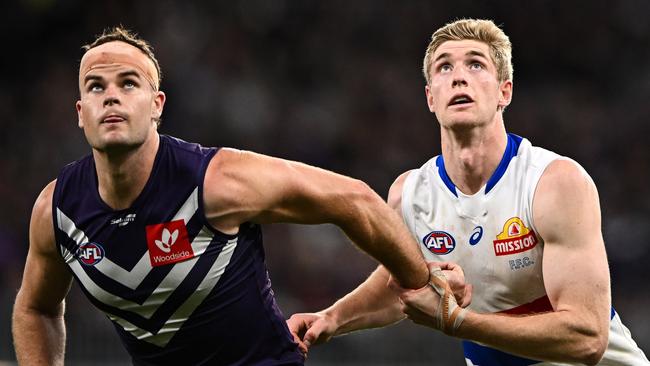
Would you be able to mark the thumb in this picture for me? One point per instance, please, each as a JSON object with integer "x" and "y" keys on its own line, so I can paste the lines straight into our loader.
{"x": 311, "y": 336}
{"x": 316, "y": 334}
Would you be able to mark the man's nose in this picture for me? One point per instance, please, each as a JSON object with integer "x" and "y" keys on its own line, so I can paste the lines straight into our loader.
{"x": 459, "y": 77}
{"x": 459, "y": 82}
{"x": 111, "y": 96}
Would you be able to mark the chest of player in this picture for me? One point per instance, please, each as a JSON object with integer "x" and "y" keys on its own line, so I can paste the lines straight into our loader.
{"x": 131, "y": 252}
{"x": 491, "y": 236}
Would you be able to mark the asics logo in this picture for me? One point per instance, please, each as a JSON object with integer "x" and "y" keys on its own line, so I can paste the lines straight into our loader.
{"x": 168, "y": 239}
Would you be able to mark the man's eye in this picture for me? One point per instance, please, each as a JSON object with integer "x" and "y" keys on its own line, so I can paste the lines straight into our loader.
{"x": 445, "y": 68}
{"x": 95, "y": 88}
{"x": 476, "y": 66}
{"x": 129, "y": 84}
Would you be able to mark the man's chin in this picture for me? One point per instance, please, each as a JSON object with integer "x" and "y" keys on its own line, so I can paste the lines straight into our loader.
{"x": 116, "y": 144}
{"x": 458, "y": 122}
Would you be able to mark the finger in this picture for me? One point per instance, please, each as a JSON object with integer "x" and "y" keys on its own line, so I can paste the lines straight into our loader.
{"x": 294, "y": 324}
{"x": 297, "y": 325}
{"x": 314, "y": 334}
{"x": 433, "y": 265}
{"x": 467, "y": 298}
{"x": 416, "y": 315}
{"x": 301, "y": 345}
{"x": 441, "y": 265}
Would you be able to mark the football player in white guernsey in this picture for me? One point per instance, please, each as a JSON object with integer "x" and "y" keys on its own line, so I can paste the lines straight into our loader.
{"x": 523, "y": 223}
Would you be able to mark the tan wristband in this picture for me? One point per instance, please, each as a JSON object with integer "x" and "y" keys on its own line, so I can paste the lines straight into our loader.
{"x": 449, "y": 315}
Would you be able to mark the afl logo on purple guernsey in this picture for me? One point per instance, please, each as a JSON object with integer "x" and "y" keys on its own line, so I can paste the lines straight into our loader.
{"x": 439, "y": 242}
{"x": 90, "y": 254}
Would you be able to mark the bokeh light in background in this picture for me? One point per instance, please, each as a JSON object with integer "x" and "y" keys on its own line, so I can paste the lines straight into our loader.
{"x": 335, "y": 84}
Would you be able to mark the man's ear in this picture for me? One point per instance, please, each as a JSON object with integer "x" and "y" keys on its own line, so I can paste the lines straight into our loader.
{"x": 430, "y": 101}
{"x": 80, "y": 122}
{"x": 158, "y": 105}
{"x": 505, "y": 94}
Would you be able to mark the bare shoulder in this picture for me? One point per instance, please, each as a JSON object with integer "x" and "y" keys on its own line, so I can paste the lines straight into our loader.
{"x": 395, "y": 191}
{"x": 236, "y": 164}
{"x": 564, "y": 179}
{"x": 41, "y": 230}
{"x": 566, "y": 198}
{"x": 46, "y": 279}
{"x": 240, "y": 184}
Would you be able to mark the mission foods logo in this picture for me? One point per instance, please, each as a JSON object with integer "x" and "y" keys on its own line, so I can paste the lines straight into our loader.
{"x": 515, "y": 238}
{"x": 439, "y": 242}
{"x": 168, "y": 243}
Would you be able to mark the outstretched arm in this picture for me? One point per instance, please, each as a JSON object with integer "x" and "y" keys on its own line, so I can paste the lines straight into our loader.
{"x": 244, "y": 186}
{"x": 38, "y": 327}
{"x": 566, "y": 212}
{"x": 371, "y": 305}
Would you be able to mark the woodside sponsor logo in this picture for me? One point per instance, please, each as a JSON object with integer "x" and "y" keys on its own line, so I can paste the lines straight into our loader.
{"x": 168, "y": 243}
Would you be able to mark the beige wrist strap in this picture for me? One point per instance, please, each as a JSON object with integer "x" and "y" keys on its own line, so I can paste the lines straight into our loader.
{"x": 449, "y": 315}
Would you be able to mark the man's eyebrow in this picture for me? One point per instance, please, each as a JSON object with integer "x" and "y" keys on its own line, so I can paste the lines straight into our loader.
{"x": 442, "y": 55}
{"x": 128, "y": 73}
{"x": 468, "y": 53}
{"x": 475, "y": 53}
{"x": 92, "y": 77}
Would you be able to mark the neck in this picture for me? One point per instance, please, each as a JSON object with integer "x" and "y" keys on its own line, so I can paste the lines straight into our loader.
{"x": 473, "y": 153}
{"x": 122, "y": 175}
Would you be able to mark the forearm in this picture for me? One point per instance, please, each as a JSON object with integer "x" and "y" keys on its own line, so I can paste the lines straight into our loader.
{"x": 554, "y": 336}
{"x": 379, "y": 231}
{"x": 371, "y": 305}
{"x": 38, "y": 339}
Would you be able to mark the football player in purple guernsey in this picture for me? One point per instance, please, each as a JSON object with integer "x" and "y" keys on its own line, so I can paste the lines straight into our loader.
{"x": 164, "y": 236}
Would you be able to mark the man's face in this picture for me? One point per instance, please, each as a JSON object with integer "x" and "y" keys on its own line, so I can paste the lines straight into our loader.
{"x": 464, "y": 89}
{"x": 119, "y": 106}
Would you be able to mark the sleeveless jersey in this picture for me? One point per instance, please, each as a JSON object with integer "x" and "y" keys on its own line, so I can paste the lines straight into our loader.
{"x": 177, "y": 291}
{"x": 492, "y": 235}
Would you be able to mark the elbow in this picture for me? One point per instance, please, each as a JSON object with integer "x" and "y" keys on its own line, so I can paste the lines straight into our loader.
{"x": 593, "y": 347}
{"x": 360, "y": 196}
{"x": 595, "y": 351}
{"x": 361, "y": 192}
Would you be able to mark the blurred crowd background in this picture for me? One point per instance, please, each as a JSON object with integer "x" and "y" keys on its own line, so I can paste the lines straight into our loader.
{"x": 337, "y": 84}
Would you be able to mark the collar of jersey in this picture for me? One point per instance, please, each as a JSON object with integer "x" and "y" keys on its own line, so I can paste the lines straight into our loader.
{"x": 511, "y": 151}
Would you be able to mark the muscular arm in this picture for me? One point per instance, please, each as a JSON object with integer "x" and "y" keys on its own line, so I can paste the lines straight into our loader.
{"x": 38, "y": 327}
{"x": 371, "y": 305}
{"x": 244, "y": 186}
{"x": 576, "y": 276}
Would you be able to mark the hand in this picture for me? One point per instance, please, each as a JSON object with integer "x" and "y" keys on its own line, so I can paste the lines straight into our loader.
{"x": 433, "y": 305}
{"x": 456, "y": 280}
{"x": 311, "y": 328}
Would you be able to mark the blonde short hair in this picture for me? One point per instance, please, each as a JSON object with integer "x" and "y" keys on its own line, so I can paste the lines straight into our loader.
{"x": 479, "y": 30}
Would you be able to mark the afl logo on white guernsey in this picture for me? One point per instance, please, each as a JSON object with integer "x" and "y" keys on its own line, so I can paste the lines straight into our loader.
{"x": 439, "y": 242}
{"x": 90, "y": 254}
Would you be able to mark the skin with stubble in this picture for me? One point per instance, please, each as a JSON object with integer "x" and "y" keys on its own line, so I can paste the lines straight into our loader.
{"x": 463, "y": 69}
{"x": 467, "y": 97}
{"x": 119, "y": 109}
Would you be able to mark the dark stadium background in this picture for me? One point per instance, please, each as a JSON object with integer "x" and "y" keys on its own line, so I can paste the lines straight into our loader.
{"x": 336, "y": 84}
